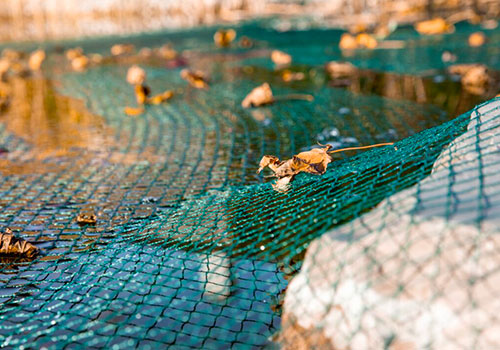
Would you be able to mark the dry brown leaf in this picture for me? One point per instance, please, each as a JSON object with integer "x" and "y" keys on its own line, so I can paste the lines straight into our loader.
{"x": 141, "y": 93}
{"x": 224, "y": 38}
{"x": 259, "y": 96}
{"x": 281, "y": 58}
{"x": 80, "y": 63}
{"x": 477, "y": 39}
{"x": 473, "y": 76}
{"x": 367, "y": 41}
{"x": 36, "y": 59}
{"x": 434, "y": 26}
{"x": 167, "y": 52}
{"x": 11, "y": 245}
{"x": 314, "y": 162}
{"x": 133, "y": 111}
{"x": 347, "y": 42}
{"x": 196, "y": 78}
{"x": 122, "y": 49}
{"x": 136, "y": 75}
{"x": 340, "y": 69}
{"x": 86, "y": 219}
{"x": 160, "y": 98}
{"x": 71, "y": 54}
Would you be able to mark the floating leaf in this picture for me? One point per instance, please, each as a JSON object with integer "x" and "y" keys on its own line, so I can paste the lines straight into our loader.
{"x": 122, "y": 49}
{"x": 224, "y": 38}
{"x": 434, "y": 26}
{"x": 281, "y": 58}
{"x": 11, "y": 245}
{"x": 196, "y": 79}
{"x": 367, "y": 41}
{"x": 259, "y": 96}
{"x": 477, "y": 39}
{"x": 347, "y": 42}
{"x": 80, "y": 63}
{"x": 340, "y": 69}
{"x": 71, "y": 54}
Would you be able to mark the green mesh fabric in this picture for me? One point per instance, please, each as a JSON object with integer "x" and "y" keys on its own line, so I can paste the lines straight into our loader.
{"x": 193, "y": 249}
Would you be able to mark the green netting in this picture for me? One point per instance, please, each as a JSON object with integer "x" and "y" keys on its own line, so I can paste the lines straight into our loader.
{"x": 193, "y": 249}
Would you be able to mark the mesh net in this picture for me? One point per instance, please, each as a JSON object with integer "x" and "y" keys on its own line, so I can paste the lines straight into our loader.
{"x": 193, "y": 249}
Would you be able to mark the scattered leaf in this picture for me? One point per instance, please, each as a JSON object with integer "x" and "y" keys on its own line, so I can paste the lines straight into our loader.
{"x": 80, "y": 63}
{"x": 365, "y": 40}
{"x": 11, "y": 245}
{"x": 36, "y": 59}
{"x": 313, "y": 162}
{"x": 337, "y": 69}
{"x": 122, "y": 49}
{"x": 259, "y": 96}
{"x": 434, "y": 26}
{"x": 224, "y": 38}
{"x": 245, "y": 42}
{"x": 167, "y": 52}
{"x": 281, "y": 58}
{"x": 96, "y": 58}
{"x": 288, "y": 76}
{"x": 348, "y": 42}
{"x": 141, "y": 93}
{"x": 86, "y": 219}
{"x": 71, "y": 54}
{"x": 160, "y": 98}
{"x": 477, "y": 39}
{"x": 136, "y": 75}
{"x": 475, "y": 78}
{"x": 133, "y": 111}
{"x": 196, "y": 78}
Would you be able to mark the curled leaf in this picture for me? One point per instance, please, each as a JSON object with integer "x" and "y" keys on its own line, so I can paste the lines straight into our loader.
{"x": 224, "y": 38}
{"x": 259, "y": 96}
{"x": 11, "y": 245}
{"x": 136, "y": 75}
{"x": 133, "y": 111}
{"x": 160, "y": 98}
{"x": 36, "y": 59}
{"x": 196, "y": 79}
{"x": 86, "y": 219}
{"x": 141, "y": 93}
{"x": 281, "y": 58}
{"x": 434, "y": 26}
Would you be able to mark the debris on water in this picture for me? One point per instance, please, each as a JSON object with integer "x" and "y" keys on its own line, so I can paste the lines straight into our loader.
{"x": 434, "y": 26}
{"x": 71, "y": 54}
{"x": 477, "y": 39}
{"x": 36, "y": 59}
{"x": 336, "y": 69}
{"x": 80, "y": 63}
{"x": 136, "y": 75}
{"x": 195, "y": 78}
{"x": 133, "y": 111}
{"x": 224, "y": 37}
{"x": 11, "y": 245}
{"x": 289, "y": 76}
{"x": 122, "y": 49}
{"x": 281, "y": 58}
{"x": 475, "y": 78}
{"x": 263, "y": 95}
{"x": 367, "y": 41}
{"x": 142, "y": 92}
{"x": 160, "y": 98}
{"x": 245, "y": 42}
{"x": 86, "y": 219}
{"x": 328, "y": 134}
{"x": 489, "y": 24}
{"x": 259, "y": 96}
{"x": 347, "y": 42}
{"x": 167, "y": 52}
